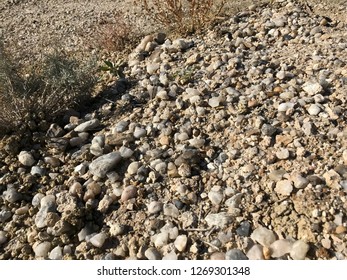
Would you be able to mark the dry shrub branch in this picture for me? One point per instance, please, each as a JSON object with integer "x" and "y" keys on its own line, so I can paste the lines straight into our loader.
{"x": 183, "y": 16}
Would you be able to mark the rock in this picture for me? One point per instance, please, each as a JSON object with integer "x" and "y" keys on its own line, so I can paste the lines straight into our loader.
{"x": 11, "y": 194}
{"x": 98, "y": 240}
{"x": 37, "y": 170}
{"x": 100, "y": 166}
{"x": 172, "y": 256}
{"x": 128, "y": 193}
{"x": 155, "y": 207}
{"x": 42, "y": 249}
{"x": 217, "y": 256}
{"x": 282, "y": 154}
{"x": 125, "y": 152}
{"x": 181, "y": 44}
{"x": 284, "y": 187}
{"x": 134, "y": 167}
{"x": 161, "y": 239}
{"x": 299, "y": 181}
{"x": 26, "y": 158}
{"x": 152, "y": 254}
{"x": 181, "y": 243}
{"x": 5, "y": 215}
{"x": 268, "y": 130}
{"x": 313, "y": 110}
{"x": 280, "y": 247}
{"x": 56, "y": 254}
{"x": 255, "y": 253}
{"x": 88, "y": 126}
{"x": 299, "y": 250}
{"x": 171, "y": 210}
{"x": 97, "y": 147}
{"x": 139, "y": 132}
{"x": 235, "y": 254}
{"x": 244, "y": 228}
{"x": 3, "y": 237}
{"x": 263, "y": 236}
{"x": 312, "y": 88}
{"x": 220, "y": 220}
{"x": 215, "y": 197}
{"x": 283, "y": 107}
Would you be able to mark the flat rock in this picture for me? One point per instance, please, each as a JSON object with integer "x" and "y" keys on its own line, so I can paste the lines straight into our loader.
{"x": 103, "y": 164}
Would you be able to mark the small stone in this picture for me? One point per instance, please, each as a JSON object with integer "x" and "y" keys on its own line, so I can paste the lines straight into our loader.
{"x": 244, "y": 228}
{"x": 299, "y": 250}
{"x": 313, "y": 110}
{"x": 299, "y": 181}
{"x": 283, "y": 107}
{"x": 214, "y": 102}
{"x": 284, "y": 187}
{"x": 220, "y": 220}
{"x": 121, "y": 126}
{"x": 152, "y": 254}
{"x": 134, "y": 167}
{"x": 139, "y": 132}
{"x": 282, "y": 153}
{"x": 125, "y": 152}
{"x": 308, "y": 128}
{"x": 326, "y": 243}
{"x": 42, "y": 249}
{"x": 52, "y": 161}
{"x": 312, "y": 88}
{"x": 277, "y": 175}
{"x": 255, "y": 253}
{"x": 3, "y": 238}
{"x": 88, "y": 126}
{"x": 235, "y": 254}
{"x": 161, "y": 239}
{"x": 100, "y": 166}
{"x": 56, "y": 254}
{"x": 36, "y": 170}
{"x": 172, "y": 256}
{"x": 181, "y": 44}
{"x": 268, "y": 129}
{"x": 280, "y": 247}
{"x": 340, "y": 229}
{"x": 215, "y": 197}
{"x": 26, "y": 158}
{"x": 155, "y": 207}
{"x": 181, "y": 243}
{"x": 263, "y": 236}
{"x": 171, "y": 210}
{"x": 152, "y": 68}
{"x": 197, "y": 142}
{"x": 128, "y": 193}
{"x": 11, "y": 194}
{"x": 217, "y": 256}
{"x": 98, "y": 240}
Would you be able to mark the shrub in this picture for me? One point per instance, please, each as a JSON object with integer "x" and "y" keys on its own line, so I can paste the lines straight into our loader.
{"x": 183, "y": 16}
{"x": 44, "y": 91}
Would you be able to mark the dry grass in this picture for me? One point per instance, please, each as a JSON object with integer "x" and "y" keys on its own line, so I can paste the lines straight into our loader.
{"x": 45, "y": 92}
{"x": 182, "y": 16}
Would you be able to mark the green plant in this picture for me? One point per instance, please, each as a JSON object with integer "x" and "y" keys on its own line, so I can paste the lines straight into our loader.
{"x": 183, "y": 16}
{"x": 115, "y": 69}
{"x": 44, "y": 90}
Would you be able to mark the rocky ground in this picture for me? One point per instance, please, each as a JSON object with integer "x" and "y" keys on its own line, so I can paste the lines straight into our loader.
{"x": 226, "y": 145}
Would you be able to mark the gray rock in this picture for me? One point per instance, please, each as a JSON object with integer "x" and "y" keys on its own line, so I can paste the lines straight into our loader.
{"x": 282, "y": 153}
{"x": 134, "y": 167}
{"x": 215, "y": 197}
{"x": 312, "y": 88}
{"x": 313, "y": 110}
{"x": 235, "y": 254}
{"x": 128, "y": 193}
{"x": 42, "y": 249}
{"x": 244, "y": 228}
{"x": 98, "y": 240}
{"x": 11, "y": 194}
{"x": 280, "y": 247}
{"x": 299, "y": 181}
{"x": 37, "y": 170}
{"x": 181, "y": 243}
{"x": 155, "y": 207}
{"x": 170, "y": 210}
{"x": 139, "y": 132}
{"x": 255, "y": 253}
{"x": 5, "y": 215}
{"x": 121, "y": 126}
{"x": 88, "y": 126}
{"x": 152, "y": 254}
{"x": 284, "y": 187}
{"x": 100, "y": 166}
{"x": 56, "y": 253}
{"x": 268, "y": 129}
{"x": 3, "y": 237}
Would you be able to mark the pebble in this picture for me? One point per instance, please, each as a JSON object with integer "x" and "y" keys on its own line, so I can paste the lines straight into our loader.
{"x": 282, "y": 153}
{"x": 161, "y": 239}
{"x": 129, "y": 192}
{"x": 255, "y": 253}
{"x": 11, "y": 194}
{"x": 284, "y": 187}
{"x": 280, "y": 247}
{"x": 155, "y": 207}
{"x": 263, "y": 236}
{"x": 215, "y": 197}
{"x": 139, "y": 132}
{"x": 170, "y": 210}
{"x": 3, "y": 237}
{"x": 152, "y": 254}
{"x": 299, "y": 181}
{"x": 26, "y": 158}
{"x": 134, "y": 167}
{"x": 172, "y": 256}
{"x": 244, "y": 228}
{"x": 88, "y": 126}
{"x": 299, "y": 250}
{"x": 37, "y": 170}
{"x": 181, "y": 243}
{"x": 235, "y": 254}
{"x": 42, "y": 249}
{"x": 98, "y": 240}
{"x": 217, "y": 256}
{"x": 314, "y": 110}
{"x": 312, "y": 88}
{"x": 121, "y": 126}
{"x": 56, "y": 253}
{"x": 103, "y": 164}
{"x": 220, "y": 220}
{"x": 283, "y": 107}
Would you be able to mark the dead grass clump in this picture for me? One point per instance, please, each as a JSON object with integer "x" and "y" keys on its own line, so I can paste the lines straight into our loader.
{"x": 45, "y": 91}
{"x": 183, "y": 16}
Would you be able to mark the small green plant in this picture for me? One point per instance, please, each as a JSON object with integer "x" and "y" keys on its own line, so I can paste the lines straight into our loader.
{"x": 115, "y": 69}
{"x": 183, "y": 16}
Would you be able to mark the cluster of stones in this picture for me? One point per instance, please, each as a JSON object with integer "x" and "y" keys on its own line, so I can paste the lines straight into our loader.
{"x": 235, "y": 148}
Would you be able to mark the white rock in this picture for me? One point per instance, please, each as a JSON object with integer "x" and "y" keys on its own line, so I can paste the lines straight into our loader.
{"x": 26, "y": 158}
{"x": 128, "y": 193}
{"x": 312, "y": 88}
{"x": 125, "y": 152}
{"x": 299, "y": 250}
{"x": 152, "y": 68}
{"x": 299, "y": 181}
{"x": 161, "y": 239}
{"x": 139, "y": 132}
{"x": 171, "y": 210}
{"x": 152, "y": 254}
{"x": 283, "y": 107}
{"x": 181, "y": 243}
{"x": 214, "y": 101}
{"x": 263, "y": 236}
{"x": 284, "y": 187}
{"x": 220, "y": 220}
{"x": 56, "y": 253}
{"x": 197, "y": 142}
{"x": 280, "y": 247}
{"x": 42, "y": 249}
{"x": 98, "y": 240}
{"x": 172, "y": 256}
{"x": 88, "y": 125}
{"x": 282, "y": 153}
{"x": 215, "y": 197}
{"x": 155, "y": 207}
{"x": 133, "y": 167}
{"x": 313, "y": 110}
